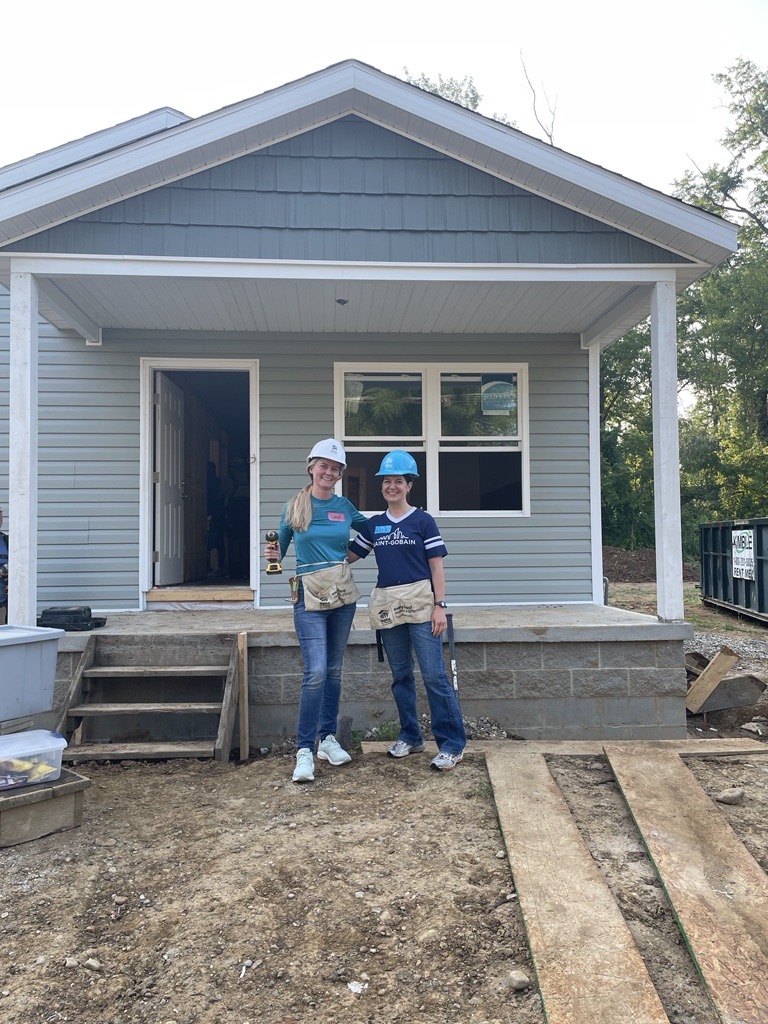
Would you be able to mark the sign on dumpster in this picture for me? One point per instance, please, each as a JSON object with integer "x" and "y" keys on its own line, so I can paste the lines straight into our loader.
{"x": 743, "y": 554}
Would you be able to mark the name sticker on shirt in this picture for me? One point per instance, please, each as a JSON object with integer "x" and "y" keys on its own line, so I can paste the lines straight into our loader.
{"x": 382, "y": 529}
{"x": 336, "y": 517}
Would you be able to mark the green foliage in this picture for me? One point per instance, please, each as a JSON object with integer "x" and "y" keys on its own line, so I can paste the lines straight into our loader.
{"x": 722, "y": 359}
{"x": 458, "y": 90}
{"x": 462, "y": 91}
{"x": 626, "y": 442}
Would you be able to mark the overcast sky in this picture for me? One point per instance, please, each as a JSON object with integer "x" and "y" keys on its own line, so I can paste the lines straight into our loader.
{"x": 632, "y": 83}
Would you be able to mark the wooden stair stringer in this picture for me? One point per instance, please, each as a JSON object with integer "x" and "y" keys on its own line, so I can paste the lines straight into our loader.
{"x": 78, "y": 710}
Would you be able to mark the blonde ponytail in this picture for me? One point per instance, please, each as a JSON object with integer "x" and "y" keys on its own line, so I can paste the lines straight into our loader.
{"x": 298, "y": 514}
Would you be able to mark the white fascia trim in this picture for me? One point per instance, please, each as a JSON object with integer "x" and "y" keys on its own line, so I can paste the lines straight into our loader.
{"x": 65, "y": 265}
{"x": 123, "y": 134}
{"x": 333, "y": 90}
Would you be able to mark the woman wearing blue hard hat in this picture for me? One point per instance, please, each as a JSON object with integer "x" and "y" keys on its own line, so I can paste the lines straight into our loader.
{"x": 408, "y": 608}
{"x": 319, "y": 521}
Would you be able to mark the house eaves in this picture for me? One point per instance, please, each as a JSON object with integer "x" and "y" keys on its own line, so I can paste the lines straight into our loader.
{"x": 36, "y": 199}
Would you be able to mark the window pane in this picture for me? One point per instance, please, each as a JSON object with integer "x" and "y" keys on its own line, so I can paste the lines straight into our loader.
{"x": 382, "y": 405}
{"x": 478, "y": 405}
{"x": 481, "y": 481}
{"x": 363, "y": 488}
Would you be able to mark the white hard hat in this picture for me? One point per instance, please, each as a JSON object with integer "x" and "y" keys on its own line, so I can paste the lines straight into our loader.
{"x": 330, "y": 448}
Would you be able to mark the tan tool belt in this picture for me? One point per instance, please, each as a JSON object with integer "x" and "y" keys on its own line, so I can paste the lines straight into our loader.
{"x": 326, "y": 589}
{"x": 394, "y": 606}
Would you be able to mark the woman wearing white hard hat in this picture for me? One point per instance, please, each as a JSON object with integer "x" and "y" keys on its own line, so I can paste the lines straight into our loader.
{"x": 318, "y": 521}
{"x": 408, "y": 608}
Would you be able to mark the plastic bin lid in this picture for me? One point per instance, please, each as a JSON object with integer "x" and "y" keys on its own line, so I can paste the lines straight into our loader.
{"x": 27, "y": 634}
{"x": 33, "y": 741}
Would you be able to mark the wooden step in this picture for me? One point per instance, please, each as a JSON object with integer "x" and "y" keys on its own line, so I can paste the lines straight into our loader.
{"x": 166, "y": 671}
{"x": 155, "y": 751}
{"x": 146, "y": 708}
{"x": 717, "y": 889}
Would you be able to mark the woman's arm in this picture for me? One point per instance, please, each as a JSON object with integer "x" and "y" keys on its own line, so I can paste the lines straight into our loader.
{"x": 439, "y": 620}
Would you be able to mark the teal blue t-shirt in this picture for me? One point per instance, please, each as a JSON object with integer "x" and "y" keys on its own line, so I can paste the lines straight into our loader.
{"x": 327, "y": 539}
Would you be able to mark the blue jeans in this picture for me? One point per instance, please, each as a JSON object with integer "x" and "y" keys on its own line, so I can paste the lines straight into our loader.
{"x": 323, "y": 639}
{"x": 447, "y": 725}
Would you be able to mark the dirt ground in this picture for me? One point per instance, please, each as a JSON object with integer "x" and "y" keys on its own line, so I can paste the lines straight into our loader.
{"x": 203, "y": 893}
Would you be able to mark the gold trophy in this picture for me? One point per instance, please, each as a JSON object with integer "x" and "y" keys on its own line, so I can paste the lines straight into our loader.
{"x": 274, "y": 568}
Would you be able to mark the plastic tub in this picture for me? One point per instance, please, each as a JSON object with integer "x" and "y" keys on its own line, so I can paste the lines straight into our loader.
{"x": 27, "y": 670}
{"x": 30, "y": 757}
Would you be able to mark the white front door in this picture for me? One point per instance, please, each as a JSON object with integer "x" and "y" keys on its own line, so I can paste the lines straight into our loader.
{"x": 169, "y": 483}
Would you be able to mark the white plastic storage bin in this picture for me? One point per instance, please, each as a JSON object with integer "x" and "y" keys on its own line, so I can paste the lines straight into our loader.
{"x": 29, "y": 757}
{"x": 27, "y": 670}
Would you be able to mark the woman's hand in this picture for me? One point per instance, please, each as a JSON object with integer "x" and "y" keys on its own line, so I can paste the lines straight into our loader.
{"x": 272, "y": 552}
{"x": 439, "y": 621}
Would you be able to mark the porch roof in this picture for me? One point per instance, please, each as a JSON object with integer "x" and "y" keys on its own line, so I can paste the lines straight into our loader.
{"x": 96, "y": 294}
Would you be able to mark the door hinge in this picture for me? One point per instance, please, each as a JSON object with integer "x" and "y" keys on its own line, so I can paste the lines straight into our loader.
{"x": 155, "y": 478}
{"x": 156, "y": 399}
{"x": 155, "y": 556}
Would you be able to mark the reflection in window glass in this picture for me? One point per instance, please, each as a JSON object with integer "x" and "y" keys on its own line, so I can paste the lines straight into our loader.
{"x": 488, "y": 481}
{"x": 381, "y": 405}
{"x": 478, "y": 405}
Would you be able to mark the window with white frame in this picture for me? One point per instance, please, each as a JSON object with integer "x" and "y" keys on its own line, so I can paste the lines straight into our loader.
{"x": 465, "y": 425}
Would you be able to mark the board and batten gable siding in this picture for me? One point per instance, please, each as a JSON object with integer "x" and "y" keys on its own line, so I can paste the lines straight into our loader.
{"x": 89, "y": 458}
{"x": 351, "y": 191}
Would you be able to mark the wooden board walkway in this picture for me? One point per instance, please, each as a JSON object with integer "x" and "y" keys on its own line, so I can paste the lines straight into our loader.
{"x": 719, "y": 893}
{"x": 586, "y": 960}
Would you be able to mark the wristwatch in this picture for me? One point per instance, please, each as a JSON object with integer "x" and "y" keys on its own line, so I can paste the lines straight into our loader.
{"x": 440, "y": 604}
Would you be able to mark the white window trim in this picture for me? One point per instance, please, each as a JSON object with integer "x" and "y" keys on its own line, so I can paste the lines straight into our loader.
{"x": 431, "y": 422}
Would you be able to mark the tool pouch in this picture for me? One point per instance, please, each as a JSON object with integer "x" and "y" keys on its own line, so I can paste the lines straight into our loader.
{"x": 394, "y": 606}
{"x": 329, "y": 588}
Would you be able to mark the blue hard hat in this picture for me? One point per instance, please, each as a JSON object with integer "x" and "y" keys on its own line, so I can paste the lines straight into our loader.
{"x": 398, "y": 463}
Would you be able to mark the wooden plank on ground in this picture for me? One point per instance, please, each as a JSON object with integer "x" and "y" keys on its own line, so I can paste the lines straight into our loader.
{"x": 719, "y": 893}
{"x": 242, "y": 658}
{"x": 702, "y": 687}
{"x": 740, "y": 691}
{"x": 159, "y": 751}
{"x": 586, "y": 960}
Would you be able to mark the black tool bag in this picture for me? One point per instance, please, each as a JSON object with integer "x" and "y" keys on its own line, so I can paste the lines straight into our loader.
{"x": 73, "y": 618}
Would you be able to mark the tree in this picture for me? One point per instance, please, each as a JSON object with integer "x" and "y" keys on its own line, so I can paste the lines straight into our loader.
{"x": 462, "y": 91}
{"x": 723, "y": 327}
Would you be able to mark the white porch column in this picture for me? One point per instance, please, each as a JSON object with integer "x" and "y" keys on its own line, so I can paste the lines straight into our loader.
{"x": 666, "y": 454}
{"x": 22, "y": 464}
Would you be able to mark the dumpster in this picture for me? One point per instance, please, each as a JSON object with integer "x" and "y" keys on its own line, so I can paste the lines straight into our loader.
{"x": 734, "y": 566}
{"x": 27, "y": 670}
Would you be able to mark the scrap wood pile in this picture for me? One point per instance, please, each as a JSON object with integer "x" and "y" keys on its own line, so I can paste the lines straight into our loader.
{"x": 711, "y": 688}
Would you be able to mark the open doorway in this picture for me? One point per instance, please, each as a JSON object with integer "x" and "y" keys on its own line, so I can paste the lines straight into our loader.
{"x": 202, "y": 454}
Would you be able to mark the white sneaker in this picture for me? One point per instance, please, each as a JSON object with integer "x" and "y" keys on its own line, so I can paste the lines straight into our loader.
{"x": 331, "y": 750}
{"x": 445, "y": 762}
{"x": 305, "y": 766}
{"x": 402, "y": 748}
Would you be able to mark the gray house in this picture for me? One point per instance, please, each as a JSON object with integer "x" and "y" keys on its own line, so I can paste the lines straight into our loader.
{"x": 346, "y": 255}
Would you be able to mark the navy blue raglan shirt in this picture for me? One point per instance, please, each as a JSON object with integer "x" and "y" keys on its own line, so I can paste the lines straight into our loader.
{"x": 402, "y": 546}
